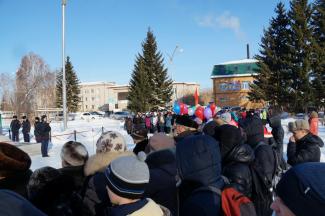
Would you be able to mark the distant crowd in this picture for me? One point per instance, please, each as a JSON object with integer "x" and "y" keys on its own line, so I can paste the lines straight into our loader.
{"x": 230, "y": 165}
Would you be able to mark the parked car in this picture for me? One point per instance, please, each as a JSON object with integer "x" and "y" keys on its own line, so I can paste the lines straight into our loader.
{"x": 97, "y": 113}
{"x": 88, "y": 116}
{"x": 120, "y": 115}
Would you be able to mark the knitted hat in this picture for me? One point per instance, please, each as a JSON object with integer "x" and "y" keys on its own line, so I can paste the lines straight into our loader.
{"x": 110, "y": 141}
{"x": 12, "y": 160}
{"x": 226, "y": 117}
{"x": 140, "y": 134}
{"x": 185, "y": 120}
{"x": 128, "y": 176}
{"x": 302, "y": 189}
{"x": 161, "y": 141}
{"x": 228, "y": 136}
{"x": 74, "y": 154}
{"x": 299, "y": 124}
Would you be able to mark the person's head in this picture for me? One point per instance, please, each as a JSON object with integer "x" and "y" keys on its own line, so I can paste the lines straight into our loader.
{"x": 160, "y": 141}
{"x": 184, "y": 123}
{"x": 110, "y": 141}
{"x": 139, "y": 135}
{"x": 228, "y": 137}
{"x": 12, "y": 160}
{"x": 24, "y": 118}
{"x": 37, "y": 119}
{"x": 299, "y": 128}
{"x": 226, "y": 117}
{"x": 313, "y": 114}
{"x": 301, "y": 191}
{"x": 44, "y": 118}
{"x": 127, "y": 178}
{"x": 14, "y": 117}
{"x": 198, "y": 160}
{"x": 73, "y": 154}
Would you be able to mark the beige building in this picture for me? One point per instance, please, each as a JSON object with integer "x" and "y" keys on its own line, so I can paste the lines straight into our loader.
{"x": 96, "y": 94}
{"x": 181, "y": 89}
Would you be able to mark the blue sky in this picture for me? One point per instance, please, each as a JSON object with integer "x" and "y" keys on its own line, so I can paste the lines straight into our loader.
{"x": 104, "y": 36}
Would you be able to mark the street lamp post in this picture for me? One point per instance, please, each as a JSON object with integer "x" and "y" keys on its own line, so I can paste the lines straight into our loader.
{"x": 64, "y": 86}
{"x": 171, "y": 60}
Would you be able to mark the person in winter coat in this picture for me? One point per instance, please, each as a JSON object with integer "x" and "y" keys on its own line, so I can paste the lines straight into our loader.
{"x": 301, "y": 191}
{"x": 161, "y": 122}
{"x": 50, "y": 191}
{"x": 227, "y": 119}
{"x": 109, "y": 146}
{"x": 168, "y": 120}
{"x": 37, "y": 129}
{"x": 74, "y": 156}
{"x": 26, "y": 129}
{"x": 125, "y": 181}
{"x": 154, "y": 123}
{"x": 148, "y": 122}
{"x": 14, "y": 169}
{"x": 253, "y": 128}
{"x": 45, "y": 130}
{"x": 128, "y": 125}
{"x": 198, "y": 162}
{"x": 236, "y": 158}
{"x": 277, "y": 132}
{"x": 14, "y": 127}
{"x": 184, "y": 126}
{"x": 12, "y": 204}
{"x": 313, "y": 123}
{"x": 140, "y": 138}
{"x": 303, "y": 146}
{"x": 162, "y": 167}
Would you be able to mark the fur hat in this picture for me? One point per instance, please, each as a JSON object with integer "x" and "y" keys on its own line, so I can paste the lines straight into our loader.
{"x": 110, "y": 141}
{"x": 140, "y": 134}
{"x": 14, "y": 117}
{"x": 302, "y": 189}
{"x": 186, "y": 121}
{"x": 228, "y": 136}
{"x": 128, "y": 176}
{"x": 74, "y": 154}
{"x": 12, "y": 160}
{"x": 299, "y": 124}
{"x": 160, "y": 141}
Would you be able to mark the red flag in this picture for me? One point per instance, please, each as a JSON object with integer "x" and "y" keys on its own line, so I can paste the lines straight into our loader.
{"x": 196, "y": 97}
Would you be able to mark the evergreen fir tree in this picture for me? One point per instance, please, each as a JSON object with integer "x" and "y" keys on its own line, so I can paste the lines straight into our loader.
{"x": 318, "y": 53}
{"x": 149, "y": 71}
{"x": 300, "y": 53}
{"x": 72, "y": 86}
{"x": 271, "y": 83}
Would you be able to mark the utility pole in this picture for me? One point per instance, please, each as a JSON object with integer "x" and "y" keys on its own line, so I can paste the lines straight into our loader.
{"x": 171, "y": 61}
{"x": 64, "y": 83}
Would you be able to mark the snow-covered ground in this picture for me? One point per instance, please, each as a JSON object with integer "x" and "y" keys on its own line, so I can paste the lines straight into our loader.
{"x": 91, "y": 130}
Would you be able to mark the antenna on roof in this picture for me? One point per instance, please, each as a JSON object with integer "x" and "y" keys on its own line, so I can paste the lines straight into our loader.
{"x": 247, "y": 49}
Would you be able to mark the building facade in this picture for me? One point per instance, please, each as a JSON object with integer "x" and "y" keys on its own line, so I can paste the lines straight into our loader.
{"x": 231, "y": 83}
{"x": 181, "y": 89}
{"x": 96, "y": 94}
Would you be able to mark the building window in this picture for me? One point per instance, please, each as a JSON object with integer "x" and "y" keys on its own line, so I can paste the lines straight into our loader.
{"x": 92, "y": 90}
{"x": 223, "y": 99}
{"x": 86, "y": 99}
{"x": 93, "y": 106}
{"x": 86, "y": 106}
{"x": 245, "y": 85}
{"x": 223, "y": 86}
{"x": 92, "y": 98}
{"x": 116, "y": 106}
{"x": 122, "y": 96}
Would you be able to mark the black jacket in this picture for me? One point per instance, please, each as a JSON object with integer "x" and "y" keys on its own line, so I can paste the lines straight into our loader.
{"x": 26, "y": 126}
{"x": 15, "y": 125}
{"x": 199, "y": 165}
{"x": 304, "y": 150}
{"x": 185, "y": 134}
{"x": 17, "y": 182}
{"x": 162, "y": 183}
{"x": 76, "y": 173}
{"x": 277, "y": 132}
{"x": 254, "y": 130}
{"x": 140, "y": 146}
{"x": 209, "y": 128}
{"x": 45, "y": 130}
{"x": 236, "y": 168}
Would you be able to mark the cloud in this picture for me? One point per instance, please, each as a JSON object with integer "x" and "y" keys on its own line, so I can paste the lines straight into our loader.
{"x": 224, "y": 21}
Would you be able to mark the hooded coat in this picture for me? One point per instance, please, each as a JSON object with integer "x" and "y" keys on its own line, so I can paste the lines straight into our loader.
{"x": 307, "y": 149}
{"x": 162, "y": 183}
{"x": 277, "y": 132}
{"x": 254, "y": 130}
{"x": 199, "y": 166}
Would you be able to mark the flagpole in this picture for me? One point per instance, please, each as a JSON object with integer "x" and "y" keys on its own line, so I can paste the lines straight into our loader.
{"x": 64, "y": 87}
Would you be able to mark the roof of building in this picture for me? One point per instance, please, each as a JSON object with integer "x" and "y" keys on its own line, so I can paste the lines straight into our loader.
{"x": 97, "y": 83}
{"x": 186, "y": 83}
{"x": 245, "y": 67}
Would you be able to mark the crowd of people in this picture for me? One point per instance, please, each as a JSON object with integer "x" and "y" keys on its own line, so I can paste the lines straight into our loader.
{"x": 42, "y": 130}
{"x": 230, "y": 165}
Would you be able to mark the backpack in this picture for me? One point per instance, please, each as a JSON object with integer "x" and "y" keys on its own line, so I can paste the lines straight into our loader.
{"x": 233, "y": 203}
{"x": 265, "y": 172}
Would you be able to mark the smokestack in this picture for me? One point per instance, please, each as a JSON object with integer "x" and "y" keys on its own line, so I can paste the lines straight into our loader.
{"x": 247, "y": 49}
